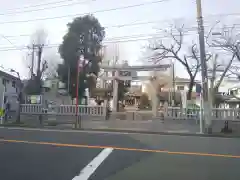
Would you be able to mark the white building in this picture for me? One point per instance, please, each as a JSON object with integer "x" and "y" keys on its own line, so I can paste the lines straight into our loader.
{"x": 9, "y": 89}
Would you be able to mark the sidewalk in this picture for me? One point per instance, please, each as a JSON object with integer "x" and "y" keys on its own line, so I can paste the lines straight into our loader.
{"x": 168, "y": 126}
{"x": 148, "y": 126}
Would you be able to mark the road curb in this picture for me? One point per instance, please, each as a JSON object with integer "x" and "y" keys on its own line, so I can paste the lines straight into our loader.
{"x": 161, "y": 133}
{"x": 127, "y": 131}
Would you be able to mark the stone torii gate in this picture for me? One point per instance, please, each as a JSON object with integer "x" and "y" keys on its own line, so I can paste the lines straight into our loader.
{"x": 132, "y": 77}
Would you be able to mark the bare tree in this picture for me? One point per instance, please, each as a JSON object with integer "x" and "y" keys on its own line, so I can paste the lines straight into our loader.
{"x": 227, "y": 40}
{"x": 52, "y": 60}
{"x": 190, "y": 60}
{"x": 35, "y": 61}
{"x": 217, "y": 72}
{"x": 38, "y": 41}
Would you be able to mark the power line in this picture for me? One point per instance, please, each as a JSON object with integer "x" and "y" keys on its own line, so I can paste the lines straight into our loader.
{"x": 37, "y": 5}
{"x": 44, "y": 8}
{"x": 110, "y": 26}
{"x": 9, "y": 41}
{"x": 122, "y": 39}
{"x": 137, "y": 37}
{"x": 108, "y": 10}
{"x": 82, "y": 14}
{"x": 129, "y": 25}
{"x": 134, "y": 37}
{"x": 114, "y": 9}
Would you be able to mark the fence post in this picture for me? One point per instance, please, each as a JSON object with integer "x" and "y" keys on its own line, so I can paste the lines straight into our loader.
{"x": 105, "y": 109}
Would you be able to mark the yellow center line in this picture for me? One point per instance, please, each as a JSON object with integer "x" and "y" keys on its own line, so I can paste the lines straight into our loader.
{"x": 119, "y": 148}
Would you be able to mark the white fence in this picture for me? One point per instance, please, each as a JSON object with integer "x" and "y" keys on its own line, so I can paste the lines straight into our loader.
{"x": 63, "y": 110}
{"x": 229, "y": 114}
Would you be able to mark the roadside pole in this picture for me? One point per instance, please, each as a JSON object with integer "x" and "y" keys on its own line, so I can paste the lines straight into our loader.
{"x": 77, "y": 89}
{"x": 206, "y": 106}
{"x": 2, "y": 107}
{"x": 68, "y": 84}
{"x": 201, "y": 114}
{"x": 19, "y": 96}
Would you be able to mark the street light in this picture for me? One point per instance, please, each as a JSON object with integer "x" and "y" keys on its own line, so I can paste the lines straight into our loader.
{"x": 79, "y": 67}
{"x": 206, "y": 105}
{"x": 19, "y": 95}
{"x": 82, "y": 63}
{"x": 173, "y": 83}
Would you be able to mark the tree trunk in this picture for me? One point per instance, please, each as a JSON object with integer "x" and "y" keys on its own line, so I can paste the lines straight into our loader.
{"x": 190, "y": 89}
{"x": 213, "y": 99}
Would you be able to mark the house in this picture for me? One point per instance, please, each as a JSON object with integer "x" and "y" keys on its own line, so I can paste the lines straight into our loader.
{"x": 229, "y": 93}
{"x": 54, "y": 91}
{"x": 10, "y": 87}
{"x": 170, "y": 86}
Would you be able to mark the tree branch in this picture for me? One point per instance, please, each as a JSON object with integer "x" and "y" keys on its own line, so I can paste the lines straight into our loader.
{"x": 44, "y": 68}
{"x": 210, "y": 32}
{"x": 224, "y": 72}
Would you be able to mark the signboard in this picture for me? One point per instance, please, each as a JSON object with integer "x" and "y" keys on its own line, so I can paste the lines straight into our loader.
{"x": 34, "y": 99}
{"x": 127, "y": 83}
{"x": 198, "y": 89}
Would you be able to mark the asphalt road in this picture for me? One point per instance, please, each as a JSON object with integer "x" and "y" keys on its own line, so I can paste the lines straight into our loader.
{"x": 49, "y": 155}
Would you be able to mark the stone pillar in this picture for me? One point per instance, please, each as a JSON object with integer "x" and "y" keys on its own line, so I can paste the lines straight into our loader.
{"x": 105, "y": 106}
{"x": 135, "y": 103}
{"x": 115, "y": 92}
{"x": 154, "y": 96}
{"x": 154, "y": 105}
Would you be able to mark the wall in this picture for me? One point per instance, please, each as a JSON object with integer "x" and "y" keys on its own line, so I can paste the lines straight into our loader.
{"x": 51, "y": 93}
{"x": 11, "y": 92}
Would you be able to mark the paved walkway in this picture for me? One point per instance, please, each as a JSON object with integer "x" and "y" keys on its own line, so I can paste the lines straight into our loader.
{"x": 170, "y": 126}
{"x": 150, "y": 126}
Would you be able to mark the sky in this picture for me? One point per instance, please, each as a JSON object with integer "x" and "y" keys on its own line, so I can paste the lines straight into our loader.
{"x": 126, "y": 22}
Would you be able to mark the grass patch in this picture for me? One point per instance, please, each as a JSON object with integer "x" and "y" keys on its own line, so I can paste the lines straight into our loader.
{"x": 15, "y": 124}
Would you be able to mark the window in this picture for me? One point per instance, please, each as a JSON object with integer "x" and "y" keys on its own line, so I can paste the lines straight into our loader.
{"x": 180, "y": 88}
{"x": 13, "y": 84}
{"x": 4, "y": 81}
{"x": 53, "y": 85}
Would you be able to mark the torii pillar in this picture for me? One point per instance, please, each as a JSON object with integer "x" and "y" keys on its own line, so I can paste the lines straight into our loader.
{"x": 154, "y": 96}
{"x": 115, "y": 92}
{"x": 155, "y": 88}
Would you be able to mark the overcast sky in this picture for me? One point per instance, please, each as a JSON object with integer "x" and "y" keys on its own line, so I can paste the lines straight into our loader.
{"x": 18, "y": 19}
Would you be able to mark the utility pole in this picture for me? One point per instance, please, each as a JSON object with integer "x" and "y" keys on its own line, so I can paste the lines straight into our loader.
{"x": 32, "y": 63}
{"x": 40, "y": 48}
{"x": 68, "y": 84}
{"x": 173, "y": 84}
{"x": 38, "y": 76}
{"x": 206, "y": 106}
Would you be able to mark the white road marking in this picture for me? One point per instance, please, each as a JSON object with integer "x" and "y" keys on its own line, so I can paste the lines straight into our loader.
{"x": 88, "y": 170}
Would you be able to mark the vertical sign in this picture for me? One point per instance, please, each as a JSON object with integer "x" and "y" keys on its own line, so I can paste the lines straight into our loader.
{"x": 198, "y": 89}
